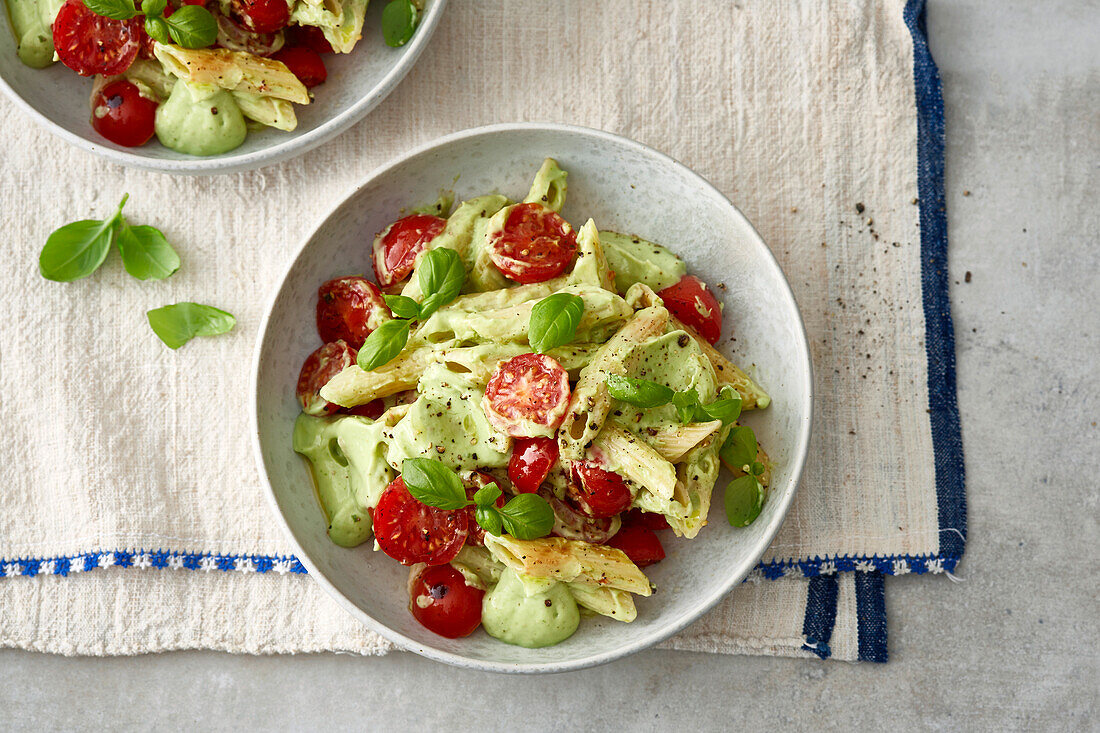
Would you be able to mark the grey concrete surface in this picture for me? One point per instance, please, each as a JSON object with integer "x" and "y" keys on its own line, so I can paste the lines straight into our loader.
{"x": 1012, "y": 646}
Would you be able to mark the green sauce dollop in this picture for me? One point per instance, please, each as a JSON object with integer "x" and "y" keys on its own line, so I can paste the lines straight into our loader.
{"x": 200, "y": 121}
{"x": 537, "y": 620}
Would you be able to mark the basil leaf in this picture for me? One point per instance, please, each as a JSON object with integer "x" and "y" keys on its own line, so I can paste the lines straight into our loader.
{"x": 487, "y": 495}
{"x": 177, "y": 324}
{"x": 638, "y": 392}
{"x": 685, "y": 403}
{"x": 113, "y": 9}
{"x": 757, "y": 468}
{"x": 432, "y": 483}
{"x": 739, "y": 450}
{"x": 489, "y": 519}
{"x": 192, "y": 26}
{"x": 157, "y": 29}
{"x": 399, "y": 20}
{"x": 441, "y": 275}
{"x": 554, "y": 321}
{"x": 383, "y": 345}
{"x": 527, "y": 517}
{"x": 402, "y": 306}
{"x": 153, "y": 8}
{"x": 77, "y": 250}
{"x": 145, "y": 252}
{"x": 727, "y": 409}
{"x": 744, "y": 499}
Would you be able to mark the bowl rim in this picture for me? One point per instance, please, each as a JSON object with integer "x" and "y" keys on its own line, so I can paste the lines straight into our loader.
{"x": 644, "y": 641}
{"x": 275, "y": 153}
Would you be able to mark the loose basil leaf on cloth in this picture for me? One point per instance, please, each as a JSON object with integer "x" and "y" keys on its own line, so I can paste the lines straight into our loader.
{"x": 432, "y": 483}
{"x": 554, "y": 321}
{"x": 486, "y": 495}
{"x": 192, "y": 26}
{"x": 727, "y": 408}
{"x": 744, "y": 499}
{"x": 113, "y": 9}
{"x": 383, "y": 345}
{"x": 638, "y": 392}
{"x": 739, "y": 450}
{"x": 77, "y": 250}
{"x": 527, "y": 517}
{"x": 177, "y": 324}
{"x": 146, "y": 254}
{"x": 441, "y": 275}
{"x": 402, "y": 306}
{"x": 399, "y": 19}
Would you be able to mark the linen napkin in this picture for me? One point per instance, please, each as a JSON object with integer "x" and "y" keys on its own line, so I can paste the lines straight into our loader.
{"x": 132, "y": 519}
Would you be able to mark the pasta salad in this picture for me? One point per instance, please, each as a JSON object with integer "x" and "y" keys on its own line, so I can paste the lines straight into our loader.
{"x": 519, "y": 411}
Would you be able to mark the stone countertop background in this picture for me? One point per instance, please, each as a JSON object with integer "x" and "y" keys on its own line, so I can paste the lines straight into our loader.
{"x": 1011, "y": 646}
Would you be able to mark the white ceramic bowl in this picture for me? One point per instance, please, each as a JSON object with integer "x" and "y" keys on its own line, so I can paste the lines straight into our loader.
{"x": 57, "y": 98}
{"x": 624, "y": 186}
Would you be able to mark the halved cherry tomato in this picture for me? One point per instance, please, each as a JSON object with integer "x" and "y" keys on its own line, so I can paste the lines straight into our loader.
{"x": 372, "y": 409}
{"x": 527, "y": 395}
{"x": 308, "y": 36}
{"x": 474, "y": 481}
{"x": 531, "y": 461}
{"x": 535, "y": 244}
{"x": 691, "y": 301}
{"x": 122, "y": 115}
{"x": 397, "y": 246}
{"x": 442, "y": 602}
{"x": 304, "y": 64}
{"x": 411, "y": 532}
{"x": 598, "y": 492}
{"x": 350, "y": 308}
{"x": 639, "y": 543}
{"x": 89, "y": 43}
{"x": 319, "y": 367}
{"x": 262, "y": 16}
{"x": 649, "y": 520}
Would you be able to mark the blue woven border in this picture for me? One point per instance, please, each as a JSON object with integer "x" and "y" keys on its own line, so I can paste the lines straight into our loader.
{"x": 871, "y": 615}
{"x": 160, "y": 559}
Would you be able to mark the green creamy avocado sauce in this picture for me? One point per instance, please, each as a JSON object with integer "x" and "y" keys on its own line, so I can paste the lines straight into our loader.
{"x": 536, "y": 620}
{"x": 347, "y": 459}
{"x": 634, "y": 260}
{"x": 200, "y": 120}
{"x": 448, "y": 424}
{"x": 676, "y": 361}
{"x": 31, "y": 23}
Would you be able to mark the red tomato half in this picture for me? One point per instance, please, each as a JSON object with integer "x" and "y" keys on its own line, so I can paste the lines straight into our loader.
{"x": 308, "y": 36}
{"x": 350, "y": 308}
{"x": 90, "y": 44}
{"x": 527, "y": 395}
{"x": 442, "y": 602}
{"x": 531, "y": 461}
{"x": 474, "y": 481}
{"x": 598, "y": 492}
{"x": 122, "y": 115}
{"x": 649, "y": 520}
{"x": 262, "y": 16}
{"x": 372, "y": 409}
{"x": 397, "y": 246}
{"x": 304, "y": 64}
{"x": 411, "y": 532}
{"x": 321, "y": 366}
{"x": 534, "y": 245}
{"x": 640, "y": 544}
{"x": 691, "y": 301}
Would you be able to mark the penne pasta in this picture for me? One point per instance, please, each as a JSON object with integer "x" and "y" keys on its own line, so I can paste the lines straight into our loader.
{"x": 548, "y": 188}
{"x": 673, "y": 441}
{"x": 232, "y": 70}
{"x": 635, "y": 459}
{"x": 570, "y": 561}
{"x": 610, "y": 602}
{"x": 269, "y": 111}
{"x": 753, "y": 397}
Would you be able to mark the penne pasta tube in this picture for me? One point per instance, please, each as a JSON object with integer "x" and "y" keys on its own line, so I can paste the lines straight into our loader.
{"x": 570, "y": 561}
{"x": 635, "y": 459}
{"x": 232, "y": 70}
{"x": 277, "y": 113}
{"x": 616, "y": 604}
{"x": 674, "y": 441}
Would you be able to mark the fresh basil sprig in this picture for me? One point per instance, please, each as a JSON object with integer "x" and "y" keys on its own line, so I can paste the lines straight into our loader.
{"x": 399, "y": 21}
{"x": 441, "y": 275}
{"x": 745, "y": 495}
{"x": 192, "y": 26}
{"x": 177, "y": 324}
{"x": 525, "y": 517}
{"x": 77, "y": 250}
{"x": 646, "y": 394}
{"x": 554, "y": 321}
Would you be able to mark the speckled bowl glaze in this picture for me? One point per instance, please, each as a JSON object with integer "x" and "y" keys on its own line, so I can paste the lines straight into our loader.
{"x": 57, "y": 98}
{"x": 624, "y": 186}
